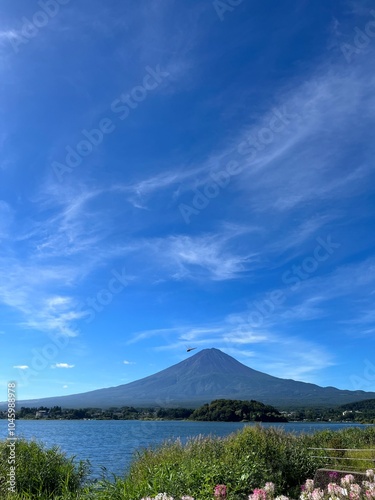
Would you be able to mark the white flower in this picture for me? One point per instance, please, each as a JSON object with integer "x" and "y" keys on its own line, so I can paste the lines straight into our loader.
{"x": 346, "y": 480}
{"x": 309, "y": 485}
{"x": 317, "y": 494}
{"x": 269, "y": 488}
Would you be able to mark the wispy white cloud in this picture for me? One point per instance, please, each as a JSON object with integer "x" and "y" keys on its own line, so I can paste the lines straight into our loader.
{"x": 177, "y": 338}
{"x": 21, "y": 367}
{"x": 282, "y": 355}
{"x": 29, "y": 289}
{"x": 307, "y": 309}
{"x": 148, "y": 334}
{"x": 313, "y": 156}
{"x": 315, "y": 300}
{"x": 245, "y": 335}
{"x": 348, "y": 280}
{"x": 7, "y": 35}
{"x": 144, "y": 188}
{"x": 62, "y": 244}
{"x": 204, "y": 253}
{"x": 199, "y": 333}
{"x": 212, "y": 256}
{"x": 309, "y": 151}
{"x": 62, "y": 365}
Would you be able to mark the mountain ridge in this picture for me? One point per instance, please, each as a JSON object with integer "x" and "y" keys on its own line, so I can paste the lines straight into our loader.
{"x": 207, "y": 375}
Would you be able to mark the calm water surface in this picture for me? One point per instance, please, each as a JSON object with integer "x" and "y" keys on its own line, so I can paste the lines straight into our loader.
{"x": 112, "y": 443}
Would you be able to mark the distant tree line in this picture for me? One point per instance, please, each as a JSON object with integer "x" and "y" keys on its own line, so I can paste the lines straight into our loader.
{"x": 223, "y": 410}
{"x": 360, "y": 412}
{"x": 123, "y": 413}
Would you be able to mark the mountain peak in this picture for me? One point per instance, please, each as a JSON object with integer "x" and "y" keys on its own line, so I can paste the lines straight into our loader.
{"x": 215, "y": 361}
{"x": 201, "y": 378}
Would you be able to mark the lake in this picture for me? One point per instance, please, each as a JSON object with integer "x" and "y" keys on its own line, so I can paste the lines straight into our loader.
{"x": 112, "y": 443}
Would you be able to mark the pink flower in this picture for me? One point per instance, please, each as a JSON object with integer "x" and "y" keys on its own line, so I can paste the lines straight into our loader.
{"x": 347, "y": 480}
{"x": 355, "y": 492}
{"x": 333, "y": 475}
{"x": 258, "y": 494}
{"x": 370, "y": 494}
{"x": 220, "y": 491}
{"x": 336, "y": 490}
{"x": 317, "y": 494}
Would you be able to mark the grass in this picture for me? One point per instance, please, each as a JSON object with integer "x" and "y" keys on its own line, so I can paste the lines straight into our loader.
{"x": 41, "y": 472}
{"x": 243, "y": 461}
{"x": 352, "y": 438}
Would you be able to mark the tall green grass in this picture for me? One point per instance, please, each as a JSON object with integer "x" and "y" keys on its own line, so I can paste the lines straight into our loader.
{"x": 242, "y": 461}
{"x": 353, "y": 439}
{"x": 40, "y": 472}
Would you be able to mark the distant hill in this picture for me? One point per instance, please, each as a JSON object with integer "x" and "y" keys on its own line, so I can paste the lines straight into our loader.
{"x": 365, "y": 405}
{"x": 234, "y": 410}
{"x": 361, "y": 411}
{"x": 208, "y": 375}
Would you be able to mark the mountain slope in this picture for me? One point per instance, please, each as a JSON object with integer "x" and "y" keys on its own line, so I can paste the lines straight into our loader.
{"x": 210, "y": 374}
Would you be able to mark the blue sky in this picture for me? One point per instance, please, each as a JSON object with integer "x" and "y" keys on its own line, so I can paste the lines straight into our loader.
{"x": 186, "y": 174}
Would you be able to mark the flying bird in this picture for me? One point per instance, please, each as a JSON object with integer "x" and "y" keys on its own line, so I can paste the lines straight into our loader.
{"x": 188, "y": 349}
